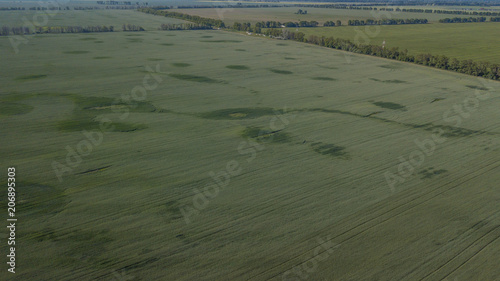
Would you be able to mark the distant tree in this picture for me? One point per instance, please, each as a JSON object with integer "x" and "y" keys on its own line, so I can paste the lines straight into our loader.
{"x": 329, "y": 23}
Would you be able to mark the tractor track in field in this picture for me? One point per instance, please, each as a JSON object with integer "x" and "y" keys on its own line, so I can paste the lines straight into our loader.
{"x": 378, "y": 216}
{"x": 271, "y": 209}
{"x": 462, "y": 237}
{"x": 495, "y": 232}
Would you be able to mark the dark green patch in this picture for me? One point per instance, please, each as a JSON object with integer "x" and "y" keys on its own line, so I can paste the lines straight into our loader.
{"x": 76, "y": 52}
{"x": 194, "y": 78}
{"x": 207, "y": 36}
{"x": 104, "y": 104}
{"x": 391, "y": 66}
{"x": 238, "y": 113}
{"x": 329, "y": 149}
{"x": 37, "y": 200}
{"x": 154, "y": 59}
{"x": 88, "y": 39}
{"x": 395, "y": 81}
{"x": 430, "y": 172}
{"x": 289, "y": 58}
{"x": 167, "y": 44}
{"x": 281, "y": 44}
{"x": 101, "y": 58}
{"x": 76, "y": 125}
{"x": 477, "y": 87}
{"x": 99, "y": 41}
{"x": 135, "y": 40}
{"x": 437, "y": 99}
{"x": 390, "y": 105}
{"x": 323, "y": 78}
{"x": 134, "y": 35}
{"x": 82, "y": 246}
{"x": 87, "y": 108}
{"x": 11, "y": 108}
{"x": 222, "y": 41}
{"x": 30, "y": 77}
{"x": 170, "y": 35}
{"x": 238, "y": 67}
{"x": 94, "y": 170}
{"x": 240, "y": 50}
{"x": 181, "y": 64}
{"x": 449, "y": 131}
{"x": 281, "y": 71}
{"x": 170, "y": 211}
{"x": 266, "y": 135}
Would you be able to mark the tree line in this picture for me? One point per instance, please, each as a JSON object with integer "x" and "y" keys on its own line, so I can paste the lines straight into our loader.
{"x": 132, "y": 27}
{"x": 183, "y": 26}
{"x": 460, "y": 20}
{"x": 454, "y": 12}
{"x": 301, "y": 24}
{"x": 60, "y": 8}
{"x": 74, "y": 29}
{"x": 332, "y": 23}
{"x": 195, "y": 19}
{"x": 495, "y": 19}
{"x": 18, "y": 30}
{"x": 481, "y": 69}
{"x": 386, "y": 22}
{"x": 5, "y": 30}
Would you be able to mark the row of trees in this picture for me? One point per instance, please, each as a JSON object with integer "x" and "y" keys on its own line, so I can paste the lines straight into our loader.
{"x": 4, "y": 30}
{"x": 74, "y": 29}
{"x": 495, "y": 19}
{"x": 19, "y": 30}
{"x": 132, "y": 27}
{"x": 459, "y": 20}
{"x": 332, "y": 23}
{"x": 300, "y": 12}
{"x": 126, "y": 3}
{"x": 269, "y": 24}
{"x": 453, "y": 12}
{"x": 387, "y": 22}
{"x": 482, "y": 69}
{"x": 196, "y": 19}
{"x": 246, "y": 26}
{"x": 301, "y": 24}
{"x": 183, "y": 26}
{"x": 12, "y": 8}
{"x": 60, "y": 8}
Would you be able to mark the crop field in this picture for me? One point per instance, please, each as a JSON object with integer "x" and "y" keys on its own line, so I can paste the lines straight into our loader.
{"x": 210, "y": 155}
{"x": 476, "y": 41}
{"x": 115, "y": 18}
{"x": 284, "y": 14}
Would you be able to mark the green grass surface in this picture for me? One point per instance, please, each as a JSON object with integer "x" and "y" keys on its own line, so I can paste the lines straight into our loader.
{"x": 476, "y": 41}
{"x": 319, "y": 174}
{"x": 114, "y": 18}
{"x": 320, "y": 15}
